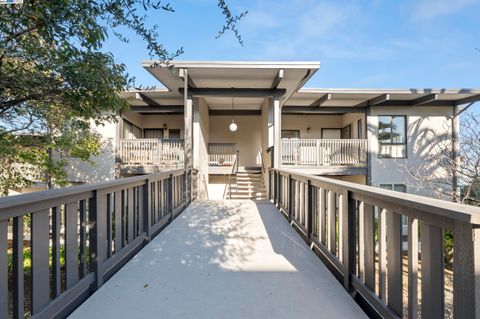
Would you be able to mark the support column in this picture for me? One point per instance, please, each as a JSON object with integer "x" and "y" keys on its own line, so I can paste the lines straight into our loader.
{"x": 277, "y": 132}
{"x": 188, "y": 116}
{"x": 371, "y": 136}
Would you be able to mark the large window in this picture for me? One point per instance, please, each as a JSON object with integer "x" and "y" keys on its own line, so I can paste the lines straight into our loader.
{"x": 392, "y": 136}
{"x": 290, "y": 134}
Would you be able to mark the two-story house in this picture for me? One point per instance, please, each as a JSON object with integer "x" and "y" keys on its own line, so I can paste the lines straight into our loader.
{"x": 232, "y": 121}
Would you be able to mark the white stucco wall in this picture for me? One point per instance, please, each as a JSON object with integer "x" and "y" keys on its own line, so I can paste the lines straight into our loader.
{"x": 428, "y": 130}
{"x": 314, "y": 122}
{"x": 200, "y": 145}
{"x": 248, "y": 136}
{"x": 103, "y": 168}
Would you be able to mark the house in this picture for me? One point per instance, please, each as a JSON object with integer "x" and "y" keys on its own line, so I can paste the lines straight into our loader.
{"x": 378, "y": 137}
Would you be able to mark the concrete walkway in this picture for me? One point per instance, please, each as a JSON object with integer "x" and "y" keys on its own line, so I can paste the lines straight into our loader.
{"x": 223, "y": 259}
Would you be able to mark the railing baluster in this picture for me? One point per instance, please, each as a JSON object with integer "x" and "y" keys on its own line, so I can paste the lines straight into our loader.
{"x": 382, "y": 254}
{"x": 71, "y": 244}
{"x": 40, "y": 267}
{"x": 118, "y": 221}
{"x": 56, "y": 271}
{"x": 321, "y": 215}
{"x": 331, "y": 222}
{"x": 412, "y": 268}
{"x": 466, "y": 269}
{"x": 432, "y": 271}
{"x": 394, "y": 262}
{"x": 130, "y": 212}
{"x": 83, "y": 238}
{"x": 18, "y": 271}
{"x": 3, "y": 269}
{"x": 369, "y": 242}
{"x": 97, "y": 207}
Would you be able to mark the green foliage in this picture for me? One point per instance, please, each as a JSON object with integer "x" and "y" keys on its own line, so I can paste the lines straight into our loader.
{"x": 55, "y": 79}
{"x": 27, "y": 258}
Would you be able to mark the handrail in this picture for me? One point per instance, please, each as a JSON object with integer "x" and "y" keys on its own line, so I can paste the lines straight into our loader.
{"x": 98, "y": 228}
{"x": 262, "y": 160}
{"x": 235, "y": 172}
{"x": 348, "y": 224}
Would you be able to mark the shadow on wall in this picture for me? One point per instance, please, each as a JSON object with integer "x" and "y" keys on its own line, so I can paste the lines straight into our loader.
{"x": 427, "y": 168}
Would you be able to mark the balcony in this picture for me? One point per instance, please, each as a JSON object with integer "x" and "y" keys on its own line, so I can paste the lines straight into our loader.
{"x": 150, "y": 155}
{"x": 322, "y": 155}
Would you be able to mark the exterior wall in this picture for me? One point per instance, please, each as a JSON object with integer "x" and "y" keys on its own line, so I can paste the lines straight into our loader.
{"x": 428, "y": 131}
{"x": 156, "y": 121}
{"x": 200, "y": 146}
{"x": 248, "y": 136}
{"x": 314, "y": 122}
{"x": 352, "y": 119}
{"x": 103, "y": 168}
{"x": 217, "y": 187}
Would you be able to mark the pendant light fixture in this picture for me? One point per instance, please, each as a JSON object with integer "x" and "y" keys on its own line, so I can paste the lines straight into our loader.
{"x": 233, "y": 126}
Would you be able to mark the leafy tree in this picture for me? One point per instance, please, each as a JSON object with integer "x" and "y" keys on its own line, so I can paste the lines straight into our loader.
{"x": 55, "y": 79}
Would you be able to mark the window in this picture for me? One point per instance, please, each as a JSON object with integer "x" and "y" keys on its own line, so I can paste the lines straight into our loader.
{"x": 359, "y": 129}
{"x": 395, "y": 187}
{"x": 153, "y": 133}
{"x": 392, "y": 136}
{"x": 174, "y": 133}
{"x": 290, "y": 134}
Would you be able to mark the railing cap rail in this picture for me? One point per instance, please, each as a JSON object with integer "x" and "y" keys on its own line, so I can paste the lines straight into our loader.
{"x": 451, "y": 210}
{"x": 51, "y": 194}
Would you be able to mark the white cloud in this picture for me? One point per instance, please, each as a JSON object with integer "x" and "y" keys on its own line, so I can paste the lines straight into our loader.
{"x": 430, "y": 9}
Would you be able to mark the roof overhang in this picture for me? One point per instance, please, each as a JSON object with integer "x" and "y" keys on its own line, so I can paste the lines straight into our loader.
{"x": 249, "y": 81}
{"x": 340, "y": 101}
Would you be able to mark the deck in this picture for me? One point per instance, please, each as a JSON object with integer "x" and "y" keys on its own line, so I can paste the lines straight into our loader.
{"x": 218, "y": 259}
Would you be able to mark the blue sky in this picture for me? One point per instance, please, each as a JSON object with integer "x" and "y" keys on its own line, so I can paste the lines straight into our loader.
{"x": 366, "y": 44}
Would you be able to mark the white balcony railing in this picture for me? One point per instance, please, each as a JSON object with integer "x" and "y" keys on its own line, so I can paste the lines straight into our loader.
{"x": 222, "y": 154}
{"x": 319, "y": 152}
{"x": 152, "y": 151}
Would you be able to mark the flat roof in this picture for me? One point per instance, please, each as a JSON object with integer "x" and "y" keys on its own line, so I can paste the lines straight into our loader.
{"x": 227, "y": 78}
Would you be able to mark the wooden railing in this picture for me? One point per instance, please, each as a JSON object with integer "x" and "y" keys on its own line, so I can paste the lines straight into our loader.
{"x": 78, "y": 237}
{"x": 152, "y": 151}
{"x": 357, "y": 232}
{"x": 318, "y": 152}
{"x": 222, "y": 154}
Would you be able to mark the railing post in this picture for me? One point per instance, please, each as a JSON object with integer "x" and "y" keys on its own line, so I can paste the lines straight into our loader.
{"x": 170, "y": 195}
{"x": 97, "y": 206}
{"x": 348, "y": 208}
{"x": 275, "y": 187}
{"x": 270, "y": 184}
{"x": 310, "y": 204}
{"x": 290, "y": 196}
{"x": 147, "y": 209}
{"x": 466, "y": 271}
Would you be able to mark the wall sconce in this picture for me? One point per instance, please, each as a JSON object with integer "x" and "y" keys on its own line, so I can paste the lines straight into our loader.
{"x": 308, "y": 129}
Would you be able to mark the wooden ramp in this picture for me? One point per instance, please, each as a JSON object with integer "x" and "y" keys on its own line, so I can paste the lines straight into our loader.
{"x": 223, "y": 259}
